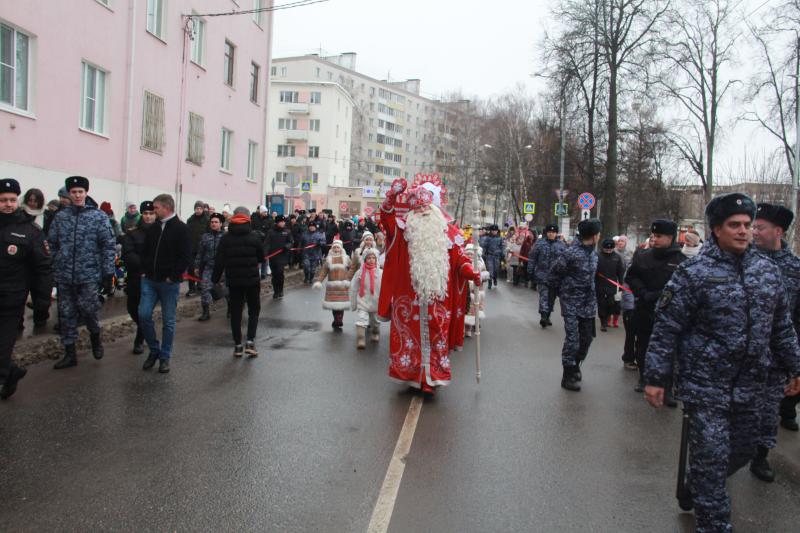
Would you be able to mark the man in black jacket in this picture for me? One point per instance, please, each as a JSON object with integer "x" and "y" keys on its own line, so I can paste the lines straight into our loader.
{"x": 239, "y": 256}
{"x": 24, "y": 266}
{"x": 649, "y": 272}
{"x": 296, "y": 229}
{"x": 279, "y": 244}
{"x": 167, "y": 254}
{"x": 132, "y": 249}
{"x": 198, "y": 224}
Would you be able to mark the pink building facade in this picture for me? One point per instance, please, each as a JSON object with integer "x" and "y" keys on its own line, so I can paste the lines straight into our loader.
{"x": 141, "y": 96}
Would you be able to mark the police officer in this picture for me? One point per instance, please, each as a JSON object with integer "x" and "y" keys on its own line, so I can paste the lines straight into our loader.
{"x": 771, "y": 224}
{"x": 545, "y": 252}
{"x": 132, "y": 250}
{"x": 494, "y": 249}
{"x": 83, "y": 248}
{"x": 205, "y": 255}
{"x": 722, "y": 322}
{"x": 24, "y": 266}
{"x": 572, "y": 277}
{"x": 649, "y": 272}
{"x": 279, "y": 244}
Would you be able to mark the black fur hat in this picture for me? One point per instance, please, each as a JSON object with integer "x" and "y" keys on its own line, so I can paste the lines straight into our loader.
{"x": 551, "y": 227}
{"x": 727, "y": 205}
{"x": 76, "y": 181}
{"x": 10, "y": 185}
{"x": 663, "y": 226}
{"x": 147, "y": 205}
{"x": 777, "y": 214}
{"x": 589, "y": 228}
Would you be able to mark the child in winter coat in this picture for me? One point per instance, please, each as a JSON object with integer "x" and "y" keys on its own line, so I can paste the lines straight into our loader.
{"x": 474, "y": 307}
{"x": 337, "y": 286}
{"x": 364, "y": 292}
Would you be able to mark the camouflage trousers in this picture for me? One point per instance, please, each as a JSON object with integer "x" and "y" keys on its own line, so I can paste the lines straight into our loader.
{"x": 77, "y": 304}
{"x": 721, "y": 441}
{"x": 547, "y": 298}
{"x": 206, "y": 285}
{"x": 579, "y": 334}
{"x": 493, "y": 266}
{"x": 770, "y": 409}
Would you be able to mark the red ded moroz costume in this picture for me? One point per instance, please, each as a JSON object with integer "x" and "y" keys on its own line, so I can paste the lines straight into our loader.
{"x": 420, "y": 335}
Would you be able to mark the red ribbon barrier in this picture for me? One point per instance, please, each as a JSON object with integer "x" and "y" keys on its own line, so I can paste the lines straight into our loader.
{"x": 624, "y": 288}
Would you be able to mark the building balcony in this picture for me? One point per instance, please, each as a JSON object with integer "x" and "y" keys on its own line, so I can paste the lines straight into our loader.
{"x": 293, "y": 161}
{"x": 296, "y": 135}
{"x": 299, "y": 109}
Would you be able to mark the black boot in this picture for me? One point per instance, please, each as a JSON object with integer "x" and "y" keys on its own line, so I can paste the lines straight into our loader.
{"x": 789, "y": 423}
{"x": 10, "y": 386}
{"x": 69, "y": 358}
{"x": 759, "y": 466}
{"x": 568, "y": 380}
{"x": 97, "y": 346}
{"x": 205, "y": 315}
{"x": 543, "y": 321}
{"x": 577, "y": 373}
{"x": 138, "y": 342}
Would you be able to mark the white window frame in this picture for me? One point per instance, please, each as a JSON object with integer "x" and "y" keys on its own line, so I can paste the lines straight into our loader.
{"x": 195, "y": 141}
{"x": 313, "y": 152}
{"x": 198, "y": 37}
{"x": 99, "y": 126}
{"x": 252, "y": 158}
{"x": 254, "y": 85}
{"x": 153, "y": 126}
{"x": 313, "y": 124}
{"x": 315, "y": 97}
{"x": 286, "y": 150}
{"x": 229, "y": 65}
{"x": 258, "y": 15}
{"x": 226, "y": 146}
{"x": 154, "y": 17}
{"x": 293, "y": 97}
{"x": 13, "y": 104}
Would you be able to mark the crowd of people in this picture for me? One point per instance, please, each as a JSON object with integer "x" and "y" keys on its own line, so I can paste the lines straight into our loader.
{"x": 712, "y": 323}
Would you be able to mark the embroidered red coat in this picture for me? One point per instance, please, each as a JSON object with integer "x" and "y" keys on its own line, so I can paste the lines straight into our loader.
{"x": 419, "y": 336}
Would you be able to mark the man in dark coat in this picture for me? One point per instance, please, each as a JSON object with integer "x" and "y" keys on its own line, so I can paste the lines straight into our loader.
{"x": 239, "y": 257}
{"x": 722, "y": 322}
{"x": 24, "y": 267}
{"x": 261, "y": 223}
{"x": 167, "y": 254}
{"x": 610, "y": 269}
{"x": 279, "y": 244}
{"x": 348, "y": 238}
{"x": 132, "y": 249}
{"x": 572, "y": 277}
{"x": 649, "y": 272}
{"x": 197, "y": 224}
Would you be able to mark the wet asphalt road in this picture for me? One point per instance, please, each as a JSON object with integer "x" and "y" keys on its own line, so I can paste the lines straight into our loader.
{"x": 299, "y": 439}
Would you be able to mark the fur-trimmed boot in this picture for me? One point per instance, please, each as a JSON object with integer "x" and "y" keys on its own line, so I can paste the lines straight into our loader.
{"x": 361, "y": 336}
{"x": 375, "y": 333}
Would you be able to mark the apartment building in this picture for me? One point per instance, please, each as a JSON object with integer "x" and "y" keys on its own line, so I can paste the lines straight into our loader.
{"x": 141, "y": 96}
{"x": 396, "y": 132}
{"x": 310, "y": 131}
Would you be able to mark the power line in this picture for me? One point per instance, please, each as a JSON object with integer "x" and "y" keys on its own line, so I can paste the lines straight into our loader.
{"x": 290, "y": 5}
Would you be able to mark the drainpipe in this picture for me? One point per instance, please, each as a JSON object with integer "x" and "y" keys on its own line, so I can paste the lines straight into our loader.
{"x": 268, "y": 81}
{"x": 126, "y": 145}
{"x": 182, "y": 118}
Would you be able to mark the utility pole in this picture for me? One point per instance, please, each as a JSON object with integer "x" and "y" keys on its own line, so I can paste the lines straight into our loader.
{"x": 561, "y": 170}
{"x": 796, "y": 177}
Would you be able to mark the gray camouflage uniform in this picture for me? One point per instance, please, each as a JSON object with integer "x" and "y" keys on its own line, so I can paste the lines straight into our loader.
{"x": 721, "y": 323}
{"x": 572, "y": 277}
{"x": 789, "y": 265}
{"x": 544, "y": 254}
{"x": 83, "y": 247}
{"x": 204, "y": 262}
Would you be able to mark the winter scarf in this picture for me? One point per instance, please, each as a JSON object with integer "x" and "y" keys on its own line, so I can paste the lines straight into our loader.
{"x": 367, "y": 269}
{"x": 240, "y": 219}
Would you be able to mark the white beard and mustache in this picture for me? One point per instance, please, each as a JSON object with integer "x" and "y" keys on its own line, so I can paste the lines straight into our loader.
{"x": 427, "y": 248}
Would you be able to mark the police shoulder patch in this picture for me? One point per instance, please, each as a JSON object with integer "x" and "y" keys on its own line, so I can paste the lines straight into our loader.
{"x": 666, "y": 298}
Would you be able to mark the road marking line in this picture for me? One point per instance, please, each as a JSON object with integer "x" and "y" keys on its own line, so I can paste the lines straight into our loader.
{"x": 382, "y": 514}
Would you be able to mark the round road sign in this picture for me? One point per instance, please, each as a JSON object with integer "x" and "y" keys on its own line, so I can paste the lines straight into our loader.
{"x": 528, "y": 217}
{"x": 343, "y": 206}
{"x": 586, "y": 200}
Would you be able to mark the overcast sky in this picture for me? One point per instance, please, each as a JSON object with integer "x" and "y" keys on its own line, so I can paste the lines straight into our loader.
{"x": 480, "y": 48}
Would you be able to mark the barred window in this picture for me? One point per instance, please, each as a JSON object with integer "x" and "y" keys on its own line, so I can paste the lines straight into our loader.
{"x": 153, "y": 123}
{"x": 196, "y": 142}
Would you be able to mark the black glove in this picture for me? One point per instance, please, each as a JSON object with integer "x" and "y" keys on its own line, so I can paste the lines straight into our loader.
{"x": 108, "y": 284}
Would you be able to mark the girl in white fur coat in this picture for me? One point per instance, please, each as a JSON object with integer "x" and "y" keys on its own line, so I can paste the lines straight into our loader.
{"x": 365, "y": 289}
{"x": 337, "y": 286}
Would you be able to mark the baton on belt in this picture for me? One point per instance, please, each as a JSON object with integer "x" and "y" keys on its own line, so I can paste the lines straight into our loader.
{"x": 682, "y": 493}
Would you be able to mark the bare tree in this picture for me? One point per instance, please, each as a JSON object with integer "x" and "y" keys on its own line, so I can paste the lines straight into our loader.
{"x": 777, "y": 40}
{"x": 702, "y": 40}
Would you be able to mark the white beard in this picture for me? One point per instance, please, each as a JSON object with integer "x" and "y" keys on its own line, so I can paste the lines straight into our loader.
{"x": 427, "y": 249}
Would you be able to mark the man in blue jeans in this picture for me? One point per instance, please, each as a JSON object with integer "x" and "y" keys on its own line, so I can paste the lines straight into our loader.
{"x": 167, "y": 254}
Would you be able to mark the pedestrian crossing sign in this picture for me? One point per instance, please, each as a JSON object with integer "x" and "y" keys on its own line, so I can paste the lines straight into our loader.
{"x": 305, "y": 186}
{"x": 529, "y": 208}
{"x": 560, "y": 210}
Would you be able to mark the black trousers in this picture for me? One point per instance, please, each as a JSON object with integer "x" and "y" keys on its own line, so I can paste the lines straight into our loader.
{"x": 237, "y": 296}
{"x": 629, "y": 355}
{"x": 134, "y": 291}
{"x": 277, "y": 266}
{"x": 9, "y": 320}
{"x": 789, "y": 407}
{"x": 644, "y": 328}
